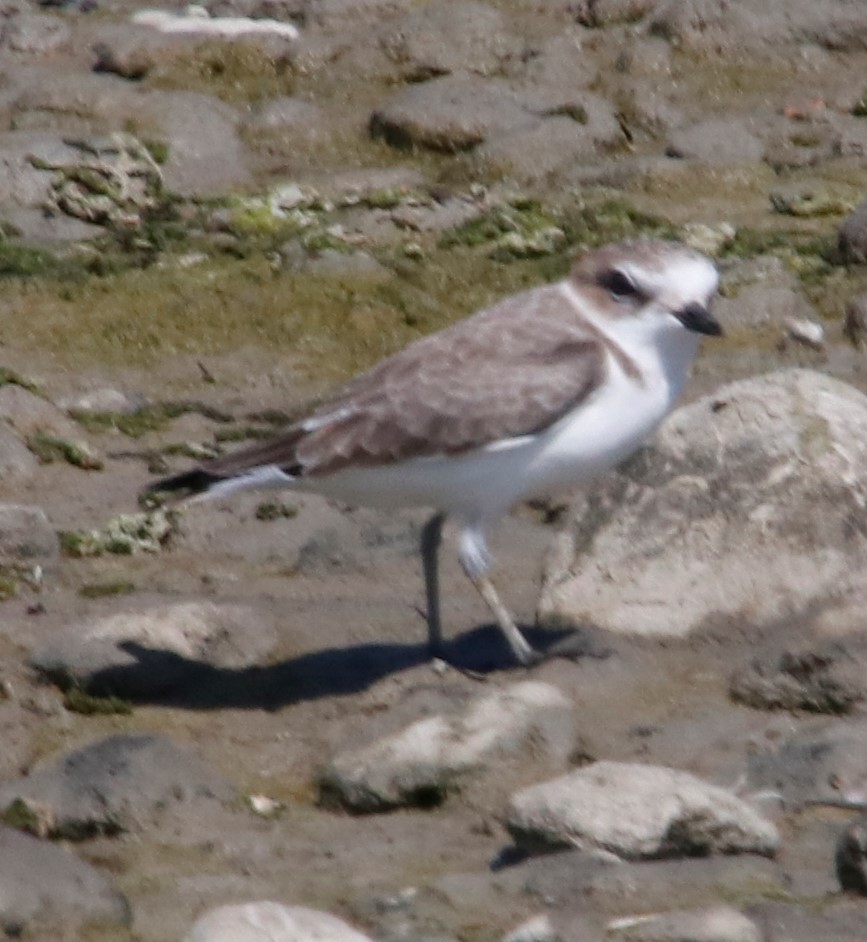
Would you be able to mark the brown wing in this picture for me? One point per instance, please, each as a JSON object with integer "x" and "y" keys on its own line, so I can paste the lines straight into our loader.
{"x": 507, "y": 371}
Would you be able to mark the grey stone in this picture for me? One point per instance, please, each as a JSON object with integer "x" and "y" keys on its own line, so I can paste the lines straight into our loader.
{"x": 852, "y": 235}
{"x": 820, "y": 764}
{"x": 26, "y": 537}
{"x": 855, "y": 323}
{"x": 725, "y": 140}
{"x": 442, "y": 38}
{"x": 637, "y": 811}
{"x": 422, "y": 762}
{"x": 195, "y": 127}
{"x": 16, "y": 459}
{"x": 30, "y": 414}
{"x": 132, "y": 52}
{"x": 263, "y": 921}
{"x": 115, "y": 784}
{"x": 44, "y": 888}
{"x": 286, "y": 114}
{"x": 33, "y": 33}
{"x": 717, "y": 924}
{"x": 600, "y": 13}
{"x": 535, "y": 153}
{"x": 850, "y": 858}
{"x": 450, "y": 114}
{"x": 749, "y": 501}
{"x": 536, "y": 929}
{"x": 828, "y": 678}
{"x": 156, "y": 648}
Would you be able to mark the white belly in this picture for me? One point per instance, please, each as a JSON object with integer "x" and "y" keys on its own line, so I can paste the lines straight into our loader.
{"x": 484, "y": 483}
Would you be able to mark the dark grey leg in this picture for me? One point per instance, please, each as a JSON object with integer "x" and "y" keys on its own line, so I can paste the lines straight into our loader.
{"x": 431, "y": 537}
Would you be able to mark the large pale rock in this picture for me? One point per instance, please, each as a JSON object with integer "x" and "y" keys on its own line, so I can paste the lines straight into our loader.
{"x": 271, "y": 922}
{"x": 45, "y": 889}
{"x": 441, "y": 38}
{"x": 26, "y": 537}
{"x": 748, "y": 507}
{"x": 420, "y": 763}
{"x": 450, "y": 114}
{"x": 155, "y": 649}
{"x": 637, "y": 811}
{"x": 115, "y": 784}
{"x": 718, "y": 924}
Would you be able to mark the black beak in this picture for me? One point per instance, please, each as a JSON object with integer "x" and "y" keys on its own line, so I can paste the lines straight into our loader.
{"x": 698, "y": 318}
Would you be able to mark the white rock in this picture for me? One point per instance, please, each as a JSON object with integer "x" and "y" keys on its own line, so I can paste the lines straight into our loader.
{"x": 26, "y": 537}
{"x": 428, "y": 756}
{"x": 192, "y": 21}
{"x": 637, "y": 811}
{"x": 748, "y": 507}
{"x": 536, "y": 929}
{"x": 810, "y": 333}
{"x": 271, "y": 922}
{"x": 718, "y": 924}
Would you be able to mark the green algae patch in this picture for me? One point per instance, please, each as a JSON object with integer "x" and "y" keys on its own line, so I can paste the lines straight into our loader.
{"x": 50, "y": 448}
{"x": 150, "y": 418}
{"x": 79, "y": 701}
{"x": 237, "y": 71}
{"x": 103, "y": 590}
{"x": 124, "y": 535}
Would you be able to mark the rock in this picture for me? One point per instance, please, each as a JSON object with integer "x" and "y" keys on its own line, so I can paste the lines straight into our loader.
{"x": 535, "y": 153}
{"x": 855, "y": 324}
{"x": 450, "y": 114}
{"x": 709, "y": 239}
{"x": 809, "y": 333}
{"x": 133, "y": 52}
{"x": 38, "y": 33}
{"x": 26, "y": 537}
{"x": 719, "y": 924}
{"x": 25, "y": 189}
{"x": 536, "y": 929}
{"x": 596, "y": 14}
{"x": 850, "y": 857}
{"x": 566, "y": 880}
{"x": 156, "y": 649}
{"x": 196, "y": 20}
{"x": 194, "y": 127}
{"x": 271, "y": 922}
{"x": 827, "y": 679}
{"x": 30, "y": 414}
{"x": 760, "y": 294}
{"x": 852, "y": 235}
{"x": 717, "y": 141}
{"x": 637, "y": 811}
{"x": 825, "y": 765}
{"x": 115, "y": 784}
{"x": 442, "y": 38}
{"x": 46, "y": 889}
{"x": 285, "y": 114}
{"x": 747, "y": 509}
{"x": 16, "y": 459}
{"x": 422, "y": 762}
{"x": 102, "y": 399}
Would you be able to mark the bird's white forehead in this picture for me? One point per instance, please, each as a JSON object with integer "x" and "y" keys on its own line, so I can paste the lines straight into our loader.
{"x": 682, "y": 274}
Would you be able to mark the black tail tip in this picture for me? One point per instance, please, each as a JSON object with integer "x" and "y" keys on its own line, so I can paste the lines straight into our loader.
{"x": 178, "y": 487}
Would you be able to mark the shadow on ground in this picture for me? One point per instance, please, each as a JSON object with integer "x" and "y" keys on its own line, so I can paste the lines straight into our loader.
{"x": 167, "y": 678}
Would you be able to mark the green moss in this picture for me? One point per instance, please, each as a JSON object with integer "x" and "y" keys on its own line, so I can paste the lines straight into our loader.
{"x": 101, "y": 590}
{"x": 50, "y": 448}
{"x": 77, "y": 700}
{"x": 860, "y": 109}
{"x": 236, "y": 71}
{"x": 150, "y": 418}
{"x": 12, "y": 378}
{"x": 20, "y": 815}
{"x": 10, "y": 580}
{"x": 276, "y": 510}
{"x": 159, "y": 150}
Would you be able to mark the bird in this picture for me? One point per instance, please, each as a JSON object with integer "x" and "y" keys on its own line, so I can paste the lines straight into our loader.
{"x": 540, "y": 392}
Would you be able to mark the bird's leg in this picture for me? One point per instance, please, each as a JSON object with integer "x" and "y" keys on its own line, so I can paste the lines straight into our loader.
{"x": 475, "y": 561}
{"x": 431, "y": 536}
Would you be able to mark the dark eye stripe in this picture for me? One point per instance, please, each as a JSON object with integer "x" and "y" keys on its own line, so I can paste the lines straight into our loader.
{"x": 618, "y": 283}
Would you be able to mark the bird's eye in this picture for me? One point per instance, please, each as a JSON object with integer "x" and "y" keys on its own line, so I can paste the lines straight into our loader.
{"x": 619, "y": 284}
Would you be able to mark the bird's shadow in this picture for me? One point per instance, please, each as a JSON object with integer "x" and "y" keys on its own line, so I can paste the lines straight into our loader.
{"x": 163, "y": 677}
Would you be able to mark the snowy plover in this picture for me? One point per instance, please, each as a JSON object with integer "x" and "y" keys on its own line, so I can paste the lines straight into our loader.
{"x": 542, "y": 391}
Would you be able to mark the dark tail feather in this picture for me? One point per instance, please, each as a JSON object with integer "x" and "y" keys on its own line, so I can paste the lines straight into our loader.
{"x": 186, "y": 484}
